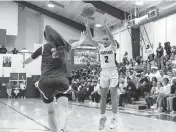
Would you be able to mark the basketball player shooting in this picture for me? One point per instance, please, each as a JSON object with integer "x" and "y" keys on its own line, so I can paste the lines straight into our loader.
{"x": 54, "y": 80}
{"x": 108, "y": 75}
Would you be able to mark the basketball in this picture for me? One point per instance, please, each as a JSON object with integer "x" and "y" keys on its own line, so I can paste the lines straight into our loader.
{"x": 88, "y": 10}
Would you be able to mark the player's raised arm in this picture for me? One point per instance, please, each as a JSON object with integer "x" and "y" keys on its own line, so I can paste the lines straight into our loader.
{"x": 81, "y": 40}
{"x": 109, "y": 34}
{"x": 36, "y": 54}
{"x": 89, "y": 34}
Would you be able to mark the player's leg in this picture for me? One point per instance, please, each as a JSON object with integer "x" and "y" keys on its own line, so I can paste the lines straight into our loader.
{"x": 52, "y": 117}
{"x": 114, "y": 101}
{"x": 113, "y": 91}
{"x": 8, "y": 93}
{"x": 62, "y": 107}
{"x": 104, "y": 84}
{"x": 46, "y": 87}
{"x": 104, "y": 92}
{"x": 62, "y": 101}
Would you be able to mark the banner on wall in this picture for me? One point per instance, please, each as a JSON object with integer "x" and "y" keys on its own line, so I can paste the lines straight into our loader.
{"x": 10, "y": 63}
{"x": 82, "y": 56}
{"x": 7, "y": 61}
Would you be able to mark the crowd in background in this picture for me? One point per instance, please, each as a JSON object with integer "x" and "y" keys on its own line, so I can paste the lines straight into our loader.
{"x": 14, "y": 90}
{"x": 153, "y": 79}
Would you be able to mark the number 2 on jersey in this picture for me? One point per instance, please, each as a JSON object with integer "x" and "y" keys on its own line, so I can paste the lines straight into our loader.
{"x": 106, "y": 59}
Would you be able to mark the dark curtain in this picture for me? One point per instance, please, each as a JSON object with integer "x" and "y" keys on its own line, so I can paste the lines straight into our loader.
{"x": 135, "y": 39}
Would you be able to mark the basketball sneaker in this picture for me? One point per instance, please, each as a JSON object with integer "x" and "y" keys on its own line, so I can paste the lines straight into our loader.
{"x": 102, "y": 122}
{"x": 113, "y": 123}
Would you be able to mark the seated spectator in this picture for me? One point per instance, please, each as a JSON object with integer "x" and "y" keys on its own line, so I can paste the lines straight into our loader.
{"x": 171, "y": 97}
{"x": 155, "y": 72}
{"x": 170, "y": 74}
{"x": 131, "y": 90}
{"x": 161, "y": 75}
{"x": 144, "y": 85}
{"x": 154, "y": 79}
{"x": 14, "y": 51}
{"x": 164, "y": 94}
{"x": 152, "y": 96}
{"x": 3, "y": 50}
{"x": 121, "y": 91}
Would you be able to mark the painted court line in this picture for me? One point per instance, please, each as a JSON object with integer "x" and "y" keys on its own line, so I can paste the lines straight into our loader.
{"x": 26, "y": 116}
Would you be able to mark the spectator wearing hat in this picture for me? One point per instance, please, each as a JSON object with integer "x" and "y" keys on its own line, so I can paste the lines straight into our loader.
{"x": 155, "y": 72}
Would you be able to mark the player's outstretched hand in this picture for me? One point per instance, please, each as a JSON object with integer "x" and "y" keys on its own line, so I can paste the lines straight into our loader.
{"x": 83, "y": 35}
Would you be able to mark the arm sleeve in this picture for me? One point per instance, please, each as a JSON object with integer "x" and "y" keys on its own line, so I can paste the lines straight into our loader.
{"x": 37, "y": 53}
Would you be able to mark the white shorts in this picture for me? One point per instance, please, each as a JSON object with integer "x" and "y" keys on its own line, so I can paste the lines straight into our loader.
{"x": 109, "y": 78}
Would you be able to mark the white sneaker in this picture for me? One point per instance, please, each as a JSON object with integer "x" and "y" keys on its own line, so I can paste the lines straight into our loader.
{"x": 102, "y": 122}
{"x": 113, "y": 123}
{"x": 154, "y": 106}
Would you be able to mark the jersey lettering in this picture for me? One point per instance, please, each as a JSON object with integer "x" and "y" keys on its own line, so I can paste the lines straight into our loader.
{"x": 107, "y": 58}
{"x": 106, "y": 52}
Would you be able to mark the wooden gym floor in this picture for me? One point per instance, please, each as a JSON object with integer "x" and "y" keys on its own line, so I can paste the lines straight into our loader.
{"x": 30, "y": 115}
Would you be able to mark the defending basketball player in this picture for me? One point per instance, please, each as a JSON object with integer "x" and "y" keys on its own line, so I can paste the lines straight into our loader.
{"x": 108, "y": 75}
{"x": 54, "y": 80}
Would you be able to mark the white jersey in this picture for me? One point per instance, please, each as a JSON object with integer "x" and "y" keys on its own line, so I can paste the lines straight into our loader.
{"x": 107, "y": 56}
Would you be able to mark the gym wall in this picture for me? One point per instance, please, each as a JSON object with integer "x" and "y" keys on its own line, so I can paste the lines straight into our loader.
{"x": 9, "y": 17}
{"x": 161, "y": 30}
{"x": 29, "y": 32}
{"x": 124, "y": 39}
